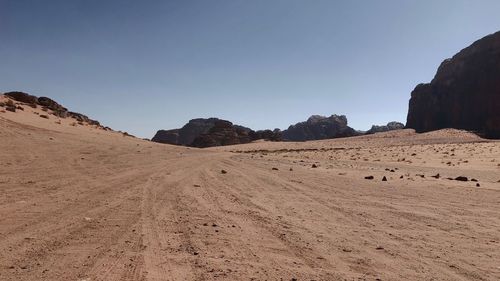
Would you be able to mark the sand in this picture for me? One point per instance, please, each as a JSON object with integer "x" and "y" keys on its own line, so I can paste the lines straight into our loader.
{"x": 81, "y": 203}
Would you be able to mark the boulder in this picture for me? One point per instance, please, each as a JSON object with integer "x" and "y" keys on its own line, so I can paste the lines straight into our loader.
{"x": 464, "y": 94}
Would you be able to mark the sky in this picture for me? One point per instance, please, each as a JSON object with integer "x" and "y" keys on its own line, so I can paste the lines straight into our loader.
{"x": 140, "y": 66}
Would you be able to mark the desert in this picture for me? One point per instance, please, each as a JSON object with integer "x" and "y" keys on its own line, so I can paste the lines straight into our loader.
{"x": 83, "y": 203}
{"x": 263, "y": 140}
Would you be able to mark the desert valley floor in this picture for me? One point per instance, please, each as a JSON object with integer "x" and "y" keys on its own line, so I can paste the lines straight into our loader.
{"x": 80, "y": 203}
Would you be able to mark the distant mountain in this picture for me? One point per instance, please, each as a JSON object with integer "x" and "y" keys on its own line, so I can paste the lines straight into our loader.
{"x": 385, "y": 128}
{"x": 222, "y": 133}
{"x": 464, "y": 94}
{"x": 319, "y": 127}
{"x": 186, "y": 134}
{"x": 209, "y": 132}
{"x": 216, "y": 132}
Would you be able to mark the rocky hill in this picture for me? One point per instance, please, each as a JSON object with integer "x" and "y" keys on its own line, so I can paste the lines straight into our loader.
{"x": 217, "y": 132}
{"x": 48, "y": 105}
{"x": 391, "y": 126}
{"x": 222, "y": 133}
{"x": 209, "y": 132}
{"x": 186, "y": 134}
{"x": 319, "y": 127}
{"x": 464, "y": 94}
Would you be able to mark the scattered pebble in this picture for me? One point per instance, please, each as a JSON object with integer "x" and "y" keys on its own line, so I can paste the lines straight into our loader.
{"x": 368, "y": 177}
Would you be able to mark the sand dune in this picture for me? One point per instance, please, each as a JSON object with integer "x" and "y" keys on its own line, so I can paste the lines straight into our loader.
{"x": 81, "y": 203}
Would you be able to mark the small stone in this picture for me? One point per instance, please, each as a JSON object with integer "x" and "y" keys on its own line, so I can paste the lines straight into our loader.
{"x": 384, "y": 179}
{"x": 461, "y": 178}
{"x": 368, "y": 177}
{"x": 223, "y": 171}
{"x": 314, "y": 166}
{"x": 275, "y": 169}
{"x": 478, "y": 185}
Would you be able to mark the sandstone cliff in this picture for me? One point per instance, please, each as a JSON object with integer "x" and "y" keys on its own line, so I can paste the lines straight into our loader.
{"x": 464, "y": 94}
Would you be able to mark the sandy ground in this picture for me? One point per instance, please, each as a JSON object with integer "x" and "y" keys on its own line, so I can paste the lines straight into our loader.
{"x": 80, "y": 203}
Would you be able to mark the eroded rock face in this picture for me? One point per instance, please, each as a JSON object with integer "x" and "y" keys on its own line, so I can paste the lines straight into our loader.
{"x": 319, "y": 127}
{"x": 222, "y": 133}
{"x": 167, "y": 136}
{"x": 464, "y": 94}
{"x": 391, "y": 126}
{"x": 209, "y": 132}
{"x": 186, "y": 134}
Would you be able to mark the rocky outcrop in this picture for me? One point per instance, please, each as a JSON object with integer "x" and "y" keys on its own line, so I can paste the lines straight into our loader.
{"x": 50, "y": 106}
{"x": 22, "y": 97}
{"x": 213, "y": 132}
{"x": 464, "y": 94}
{"x": 222, "y": 133}
{"x": 186, "y": 134}
{"x": 167, "y": 136}
{"x": 57, "y": 109}
{"x": 319, "y": 127}
{"x": 391, "y": 126}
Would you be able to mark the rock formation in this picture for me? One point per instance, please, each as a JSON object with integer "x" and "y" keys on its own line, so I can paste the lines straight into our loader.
{"x": 385, "y": 128}
{"x": 319, "y": 127}
{"x": 464, "y": 94}
{"x": 167, "y": 136}
{"x": 222, "y": 133}
{"x": 186, "y": 134}
{"x": 212, "y": 132}
{"x": 49, "y": 105}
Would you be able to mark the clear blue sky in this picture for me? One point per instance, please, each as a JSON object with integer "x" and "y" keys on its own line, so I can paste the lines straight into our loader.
{"x": 140, "y": 66}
